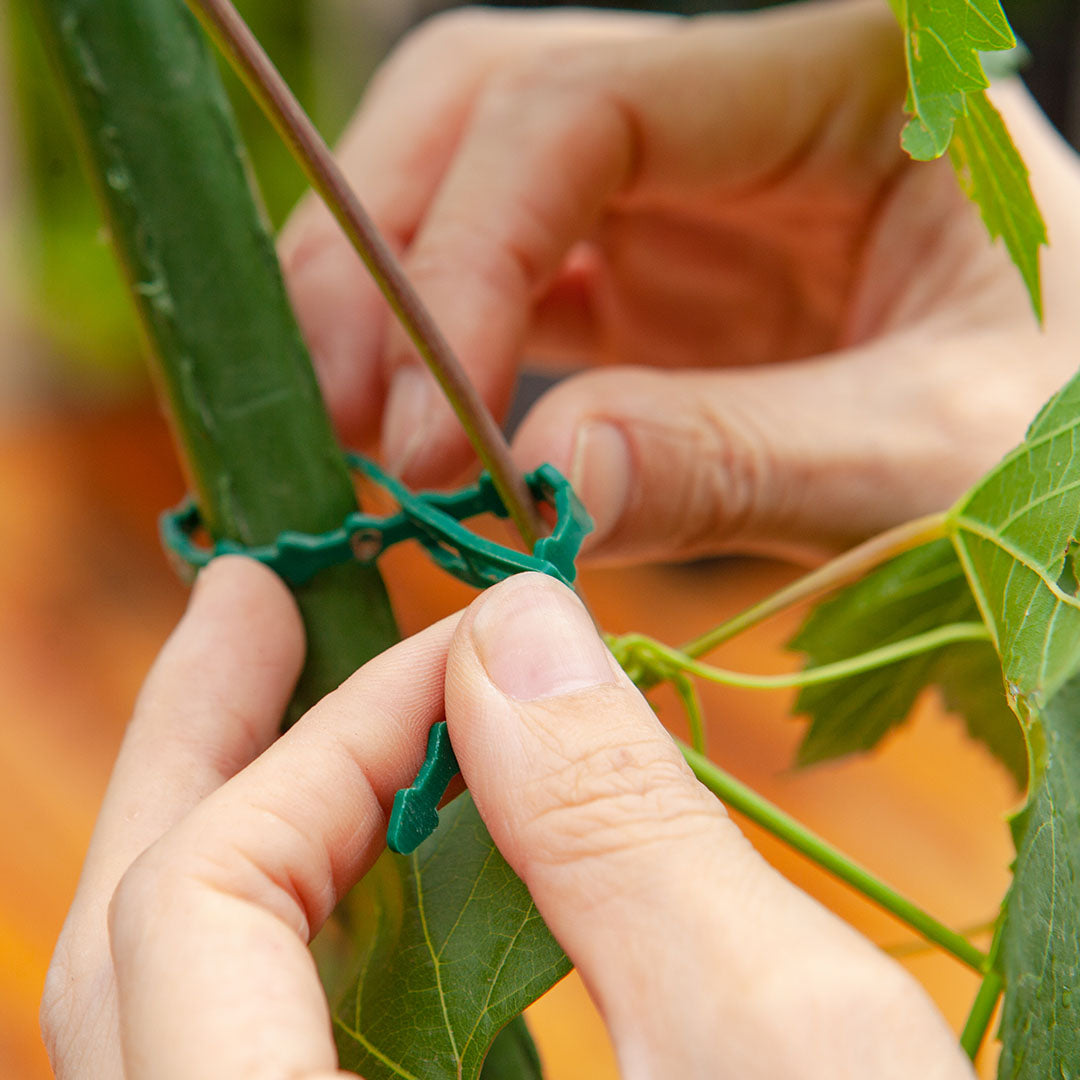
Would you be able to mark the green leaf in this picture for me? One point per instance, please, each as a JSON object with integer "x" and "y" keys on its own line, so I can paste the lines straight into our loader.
{"x": 1016, "y": 534}
{"x": 513, "y": 1055}
{"x": 1040, "y": 945}
{"x": 911, "y": 594}
{"x": 942, "y": 42}
{"x": 945, "y": 42}
{"x": 994, "y": 176}
{"x": 452, "y": 948}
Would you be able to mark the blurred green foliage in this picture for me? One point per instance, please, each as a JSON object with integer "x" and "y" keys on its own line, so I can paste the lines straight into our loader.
{"x": 78, "y": 307}
{"x": 77, "y": 304}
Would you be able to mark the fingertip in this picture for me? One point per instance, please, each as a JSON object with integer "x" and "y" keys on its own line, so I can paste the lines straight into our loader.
{"x": 238, "y": 599}
{"x": 535, "y": 640}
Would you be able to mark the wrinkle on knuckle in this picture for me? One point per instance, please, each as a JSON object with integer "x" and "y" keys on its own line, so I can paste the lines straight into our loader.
{"x": 500, "y": 261}
{"x": 294, "y": 881}
{"x": 613, "y": 799}
{"x": 161, "y": 884}
{"x": 726, "y": 471}
{"x": 560, "y": 100}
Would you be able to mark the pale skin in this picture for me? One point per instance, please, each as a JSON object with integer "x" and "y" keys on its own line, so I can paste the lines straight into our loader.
{"x": 814, "y": 338}
{"x": 218, "y": 854}
{"x": 815, "y": 342}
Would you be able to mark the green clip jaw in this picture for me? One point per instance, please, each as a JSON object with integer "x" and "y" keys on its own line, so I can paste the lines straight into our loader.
{"x": 435, "y": 520}
{"x": 415, "y": 815}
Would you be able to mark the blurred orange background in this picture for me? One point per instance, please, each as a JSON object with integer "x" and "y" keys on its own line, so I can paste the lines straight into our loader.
{"x": 86, "y": 599}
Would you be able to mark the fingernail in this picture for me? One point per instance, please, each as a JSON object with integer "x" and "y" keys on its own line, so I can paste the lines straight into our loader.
{"x": 600, "y": 472}
{"x": 537, "y": 641}
{"x": 409, "y": 407}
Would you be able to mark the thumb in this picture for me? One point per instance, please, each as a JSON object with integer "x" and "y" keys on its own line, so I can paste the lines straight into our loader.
{"x": 799, "y": 460}
{"x": 582, "y": 790}
{"x": 703, "y": 960}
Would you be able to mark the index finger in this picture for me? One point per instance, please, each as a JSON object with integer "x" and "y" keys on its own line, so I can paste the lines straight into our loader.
{"x": 209, "y": 928}
{"x": 395, "y": 153}
{"x": 717, "y": 108}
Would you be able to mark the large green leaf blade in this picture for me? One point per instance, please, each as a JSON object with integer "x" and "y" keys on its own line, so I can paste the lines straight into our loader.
{"x": 1040, "y": 1025}
{"x": 452, "y": 949}
{"x": 1016, "y": 534}
{"x": 911, "y": 594}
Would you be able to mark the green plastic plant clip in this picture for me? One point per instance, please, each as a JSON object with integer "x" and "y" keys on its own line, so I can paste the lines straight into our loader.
{"x": 415, "y": 815}
{"x": 435, "y": 520}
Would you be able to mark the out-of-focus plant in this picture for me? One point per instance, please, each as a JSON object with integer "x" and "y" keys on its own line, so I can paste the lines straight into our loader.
{"x": 78, "y": 308}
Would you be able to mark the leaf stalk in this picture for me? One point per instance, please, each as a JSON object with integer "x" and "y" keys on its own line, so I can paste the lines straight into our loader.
{"x": 985, "y": 1003}
{"x": 759, "y": 810}
{"x": 234, "y": 38}
{"x": 840, "y": 571}
{"x": 659, "y": 663}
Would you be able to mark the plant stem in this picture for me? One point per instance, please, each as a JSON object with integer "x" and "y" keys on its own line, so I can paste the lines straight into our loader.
{"x": 841, "y": 669}
{"x": 258, "y": 447}
{"x": 247, "y": 56}
{"x": 982, "y": 1012}
{"x": 905, "y": 949}
{"x": 771, "y": 818}
{"x": 982, "y": 1009}
{"x": 688, "y": 695}
{"x": 840, "y": 571}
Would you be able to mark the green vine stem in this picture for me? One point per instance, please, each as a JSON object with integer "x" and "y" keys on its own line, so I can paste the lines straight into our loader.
{"x": 842, "y": 570}
{"x": 691, "y": 701}
{"x": 163, "y": 152}
{"x": 905, "y": 949}
{"x": 738, "y": 796}
{"x": 236, "y": 41}
{"x": 649, "y": 662}
{"x": 985, "y": 1004}
{"x": 982, "y": 1012}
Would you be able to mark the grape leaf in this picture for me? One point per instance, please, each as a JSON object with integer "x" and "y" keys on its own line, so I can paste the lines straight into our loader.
{"x": 451, "y": 948}
{"x": 942, "y": 42}
{"x": 916, "y": 592}
{"x": 1016, "y": 534}
{"x": 513, "y": 1055}
{"x": 1040, "y": 944}
{"x": 949, "y": 110}
{"x": 994, "y": 176}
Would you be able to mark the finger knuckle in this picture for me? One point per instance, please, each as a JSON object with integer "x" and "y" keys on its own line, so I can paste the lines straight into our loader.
{"x": 612, "y": 799}
{"x": 447, "y": 32}
{"x": 558, "y": 87}
{"x": 728, "y": 472}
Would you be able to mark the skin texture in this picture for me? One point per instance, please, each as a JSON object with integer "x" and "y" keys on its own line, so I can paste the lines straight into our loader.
{"x": 217, "y": 856}
{"x": 795, "y": 337}
{"x": 719, "y": 207}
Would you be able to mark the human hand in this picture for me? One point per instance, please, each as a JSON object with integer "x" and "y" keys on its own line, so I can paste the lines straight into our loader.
{"x": 217, "y": 856}
{"x": 724, "y": 198}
